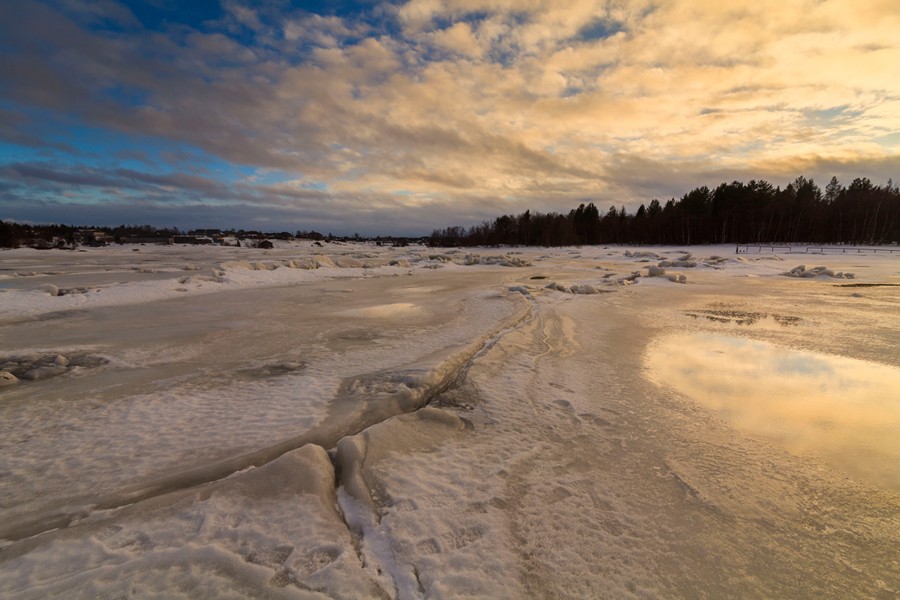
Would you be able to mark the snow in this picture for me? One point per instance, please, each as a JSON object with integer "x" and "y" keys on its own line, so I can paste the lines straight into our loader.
{"x": 355, "y": 421}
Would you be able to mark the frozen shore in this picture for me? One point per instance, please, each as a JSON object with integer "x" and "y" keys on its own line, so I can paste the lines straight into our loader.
{"x": 360, "y": 421}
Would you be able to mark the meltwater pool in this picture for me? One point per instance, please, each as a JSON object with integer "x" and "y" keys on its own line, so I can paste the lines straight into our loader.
{"x": 843, "y": 411}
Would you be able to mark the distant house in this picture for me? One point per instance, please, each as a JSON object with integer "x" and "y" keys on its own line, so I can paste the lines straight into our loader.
{"x": 191, "y": 239}
{"x": 93, "y": 237}
{"x": 204, "y": 233}
{"x": 135, "y": 239}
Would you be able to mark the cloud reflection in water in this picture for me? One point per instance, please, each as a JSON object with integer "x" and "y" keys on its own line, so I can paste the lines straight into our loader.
{"x": 841, "y": 410}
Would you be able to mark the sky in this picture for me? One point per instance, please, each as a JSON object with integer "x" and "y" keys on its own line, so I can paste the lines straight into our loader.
{"x": 398, "y": 117}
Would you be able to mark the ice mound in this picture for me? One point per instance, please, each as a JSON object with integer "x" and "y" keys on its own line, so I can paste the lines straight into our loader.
{"x": 686, "y": 260}
{"x": 683, "y": 262}
{"x": 641, "y": 254}
{"x": 653, "y": 271}
{"x": 234, "y": 265}
{"x": 585, "y": 289}
{"x": 521, "y": 289}
{"x": 349, "y": 262}
{"x": 200, "y": 279}
{"x": 52, "y": 290}
{"x": 417, "y": 431}
{"x": 714, "y": 260}
{"x": 364, "y": 501}
{"x": 37, "y": 367}
{"x": 556, "y": 287}
{"x": 318, "y": 261}
{"x": 274, "y": 531}
{"x": 277, "y": 369}
{"x": 503, "y": 261}
{"x": 802, "y": 272}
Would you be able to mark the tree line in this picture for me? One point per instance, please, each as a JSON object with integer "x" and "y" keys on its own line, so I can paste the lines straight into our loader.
{"x": 15, "y": 235}
{"x": 732, "y": 213}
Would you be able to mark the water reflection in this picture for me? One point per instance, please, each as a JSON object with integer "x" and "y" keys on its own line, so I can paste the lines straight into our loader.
{"x": 845, "y": 411}
{"x": 742, "y": 317}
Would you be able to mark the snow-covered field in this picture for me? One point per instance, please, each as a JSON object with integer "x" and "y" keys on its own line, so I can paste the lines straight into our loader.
{"x": 358, "y": 421}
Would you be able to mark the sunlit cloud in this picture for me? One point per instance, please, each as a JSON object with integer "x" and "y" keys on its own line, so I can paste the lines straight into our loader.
{"x": 463, "y": 107}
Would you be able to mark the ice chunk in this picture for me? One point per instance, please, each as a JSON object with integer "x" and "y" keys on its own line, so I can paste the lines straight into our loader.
{"x": 44, "y": 372}
{"x": 503, "y": 261}
{"x": 629, "y": 279}
{"x": 584, "y": 288}
{"x": 640, "y": 254}
{"x": 821, "y": 271}
{"x": 683, "y": 262}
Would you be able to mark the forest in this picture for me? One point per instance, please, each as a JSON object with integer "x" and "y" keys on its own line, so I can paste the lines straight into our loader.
{"x": 733, "y": 213}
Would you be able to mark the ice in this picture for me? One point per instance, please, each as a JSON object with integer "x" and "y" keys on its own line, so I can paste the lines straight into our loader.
{"x": 505, "y": 260}
{"x": 275, "y": 528}
{"x": 659, "y": 271}
{"x": 359, "y": 421}
{"x": 804, "y": 273}
{"x": 384, "y": 311}
{"x": 685, "y": 263}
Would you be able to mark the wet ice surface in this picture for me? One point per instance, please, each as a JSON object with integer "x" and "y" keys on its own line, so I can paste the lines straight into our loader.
{"x": 178, "y": 448}
{"x": 842, "y": 410}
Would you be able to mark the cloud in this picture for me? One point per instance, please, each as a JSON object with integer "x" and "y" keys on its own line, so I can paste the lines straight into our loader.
{"x": 465, "y": 105}
{"x": 102, "y": 12}
{"x": 244, "y": 15}
{"x": 458, "y": 39}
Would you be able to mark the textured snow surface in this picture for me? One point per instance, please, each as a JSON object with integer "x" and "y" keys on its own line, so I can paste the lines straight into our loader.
{"x": 358, "y": 421}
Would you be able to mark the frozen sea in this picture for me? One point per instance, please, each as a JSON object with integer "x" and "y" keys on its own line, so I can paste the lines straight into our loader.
{"x": 361, "y": 421}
